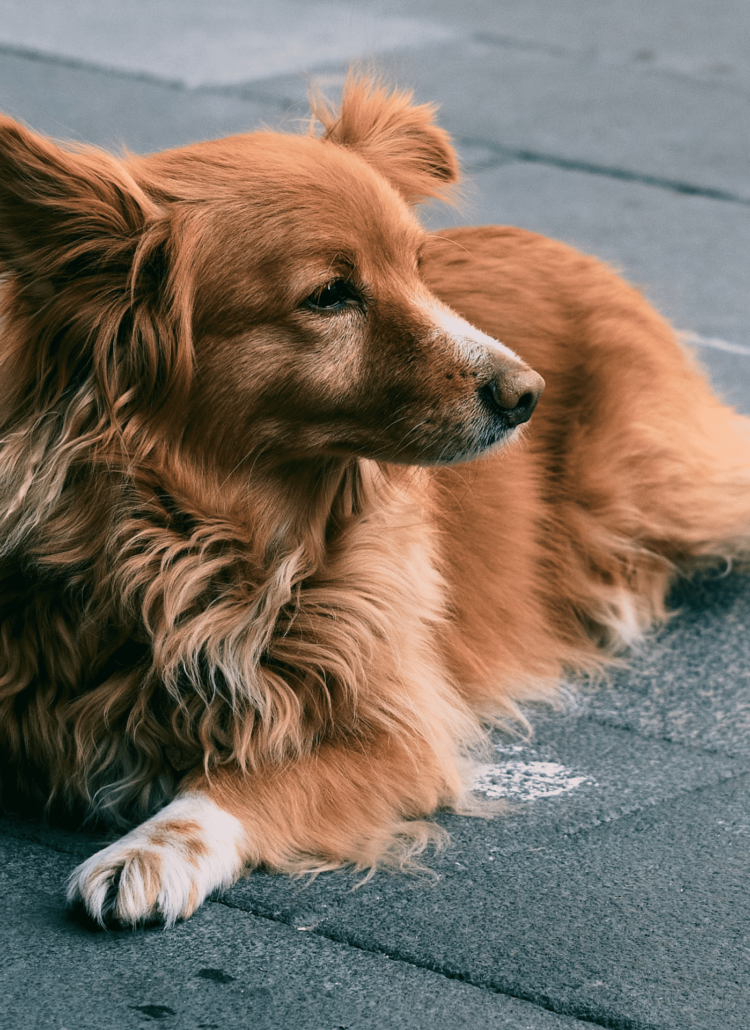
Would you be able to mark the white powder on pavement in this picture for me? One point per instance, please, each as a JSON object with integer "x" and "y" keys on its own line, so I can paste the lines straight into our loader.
{"x": 524, "y": 778}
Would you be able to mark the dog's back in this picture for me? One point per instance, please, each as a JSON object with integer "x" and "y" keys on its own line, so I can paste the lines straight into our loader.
{"x": 632, "y": 470}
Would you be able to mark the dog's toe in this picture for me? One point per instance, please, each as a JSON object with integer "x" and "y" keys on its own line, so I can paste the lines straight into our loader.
{"x": 123, "y": 885}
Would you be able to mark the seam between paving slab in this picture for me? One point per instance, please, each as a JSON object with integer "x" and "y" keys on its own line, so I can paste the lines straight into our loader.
{"x": 502, "y": 155}
{"x": 611, "y": 722}
{"x": 584, "y": 1014}
{"x": 644, "y": 62}
{"x": 253, "y": 91}
{"x": 77, "y": 63}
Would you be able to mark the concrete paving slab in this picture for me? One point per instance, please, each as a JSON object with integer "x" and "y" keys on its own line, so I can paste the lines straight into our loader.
{"x": 616, "y": 776}
{"x": 621, "y": 772}
{"x": 224, "y": 968}
{"x": 115, "y": 109}
{"x": 692, "y": 683}
{"x": 560, "y": 101}
{"x": 641, "y": 925}
{"x": 190, "y": 42}
{"x": 237, "y": 40}
{"x": 693, "y": 37}
{"x": 610, "y": 774}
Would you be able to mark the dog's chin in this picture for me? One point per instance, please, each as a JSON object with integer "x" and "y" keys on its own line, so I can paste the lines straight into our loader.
{"x": 480, "y": 451}
{"x": 460, "y": 451}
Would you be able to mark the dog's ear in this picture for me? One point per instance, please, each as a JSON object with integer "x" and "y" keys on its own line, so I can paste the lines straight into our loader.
{"x": 88, "y": 254}
{"x": 64, "y": 214}
{"x": 396, "y": 136}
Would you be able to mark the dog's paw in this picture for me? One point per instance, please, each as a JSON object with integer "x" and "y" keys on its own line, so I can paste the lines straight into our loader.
{"x": 165, "y": 868}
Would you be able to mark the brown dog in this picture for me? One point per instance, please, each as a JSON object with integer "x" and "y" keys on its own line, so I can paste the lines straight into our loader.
{"x": 249, "y": 590}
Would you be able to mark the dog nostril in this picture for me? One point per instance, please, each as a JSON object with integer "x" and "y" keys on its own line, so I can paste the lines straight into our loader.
{"x": 510, "y": 400}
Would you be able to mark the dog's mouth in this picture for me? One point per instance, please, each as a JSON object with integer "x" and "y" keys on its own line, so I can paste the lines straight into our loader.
{"x": 448, "y": 442}
{"x": 491, "y": 418}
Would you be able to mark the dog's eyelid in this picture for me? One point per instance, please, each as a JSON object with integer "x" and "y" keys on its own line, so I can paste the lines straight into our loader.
{"x": 334, "y": 295}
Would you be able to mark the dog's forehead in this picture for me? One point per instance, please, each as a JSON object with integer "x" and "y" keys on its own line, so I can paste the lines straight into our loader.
{"x": 271, "y": 167}
{"x": 294, "y": 193}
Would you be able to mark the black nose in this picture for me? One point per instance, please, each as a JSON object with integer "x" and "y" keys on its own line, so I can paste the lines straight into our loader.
{"x": 513, "y": 396}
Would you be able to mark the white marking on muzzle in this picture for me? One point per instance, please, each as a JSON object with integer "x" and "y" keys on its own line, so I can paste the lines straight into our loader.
{"x": 471, "y": 341}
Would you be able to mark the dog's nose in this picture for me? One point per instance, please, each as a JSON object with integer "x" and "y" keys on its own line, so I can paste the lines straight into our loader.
{"x": 513, "y": 394}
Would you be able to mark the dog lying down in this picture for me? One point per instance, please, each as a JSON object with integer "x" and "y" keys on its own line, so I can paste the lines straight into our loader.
{"x": 277, "y": 536}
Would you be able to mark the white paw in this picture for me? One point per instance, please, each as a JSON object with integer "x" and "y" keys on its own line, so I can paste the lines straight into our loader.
{"x": 164, "y": 868}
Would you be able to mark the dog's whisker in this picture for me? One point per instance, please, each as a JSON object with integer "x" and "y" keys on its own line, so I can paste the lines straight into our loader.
{"x": 453, "y": 243}
{"x": 238, "y": 465}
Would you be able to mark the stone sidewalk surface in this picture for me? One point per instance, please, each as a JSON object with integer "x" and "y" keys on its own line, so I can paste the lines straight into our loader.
{"x": 613, "y": 893}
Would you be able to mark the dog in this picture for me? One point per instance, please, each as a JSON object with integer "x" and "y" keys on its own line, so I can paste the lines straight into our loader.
{"x": 278, "y": 532}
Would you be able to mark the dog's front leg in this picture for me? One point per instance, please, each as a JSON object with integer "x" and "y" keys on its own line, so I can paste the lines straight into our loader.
{"x": 339, "y": 805}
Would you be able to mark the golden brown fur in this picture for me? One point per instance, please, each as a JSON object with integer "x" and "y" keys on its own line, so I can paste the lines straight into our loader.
{"x": 244, "y": 555}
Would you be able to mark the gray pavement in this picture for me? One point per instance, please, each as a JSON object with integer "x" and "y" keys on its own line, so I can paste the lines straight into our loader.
{"x": 613, "y": 892}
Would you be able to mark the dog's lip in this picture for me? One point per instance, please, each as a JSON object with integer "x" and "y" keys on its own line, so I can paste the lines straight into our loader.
{"x": 465, "y": 453}
{"x": 465, "y": 456}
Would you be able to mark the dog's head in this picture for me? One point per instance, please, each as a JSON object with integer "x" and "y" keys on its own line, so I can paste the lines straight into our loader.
{"x": 257, "y": 294}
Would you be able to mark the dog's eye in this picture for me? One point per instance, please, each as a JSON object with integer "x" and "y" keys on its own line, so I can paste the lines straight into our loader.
{"x": 332, "y": 297}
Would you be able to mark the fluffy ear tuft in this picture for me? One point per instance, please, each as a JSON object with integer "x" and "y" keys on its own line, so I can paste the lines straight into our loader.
{"x": 394, "y": 135}
{"x": 64, "y": 213}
